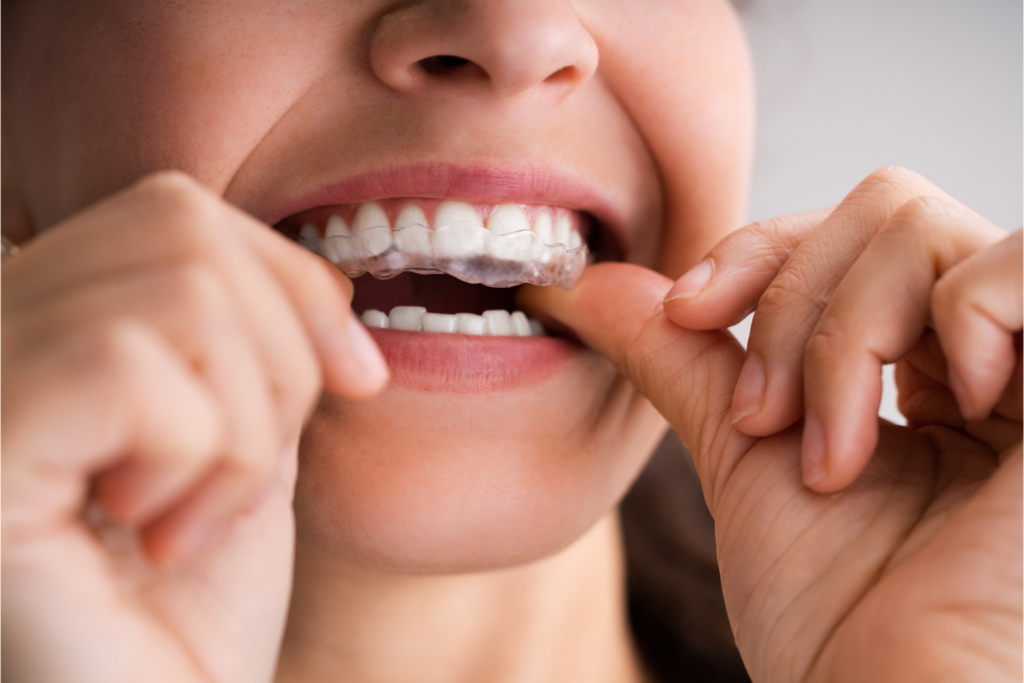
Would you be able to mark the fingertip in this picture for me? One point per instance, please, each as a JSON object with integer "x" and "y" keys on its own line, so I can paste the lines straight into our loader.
{"x": 693, "y": 282}
{"x": 360, "y": 370}
{"x": 829, "y": 465}
{"x": 813, "y": 462}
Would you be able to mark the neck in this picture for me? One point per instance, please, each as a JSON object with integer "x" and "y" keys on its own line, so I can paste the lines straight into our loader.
{"x": 561, "y": 618}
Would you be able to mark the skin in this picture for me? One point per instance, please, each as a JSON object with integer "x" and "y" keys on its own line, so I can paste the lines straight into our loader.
{"x": 187, "y": 360}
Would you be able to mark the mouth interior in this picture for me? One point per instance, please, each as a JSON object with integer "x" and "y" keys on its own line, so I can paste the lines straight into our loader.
{"x": 436, "y": 293}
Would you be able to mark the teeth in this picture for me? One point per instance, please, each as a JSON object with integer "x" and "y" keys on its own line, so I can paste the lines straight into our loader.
{"x": 508, "y": 250}
{"x": 412, "y": 236}
{"x": 406, "y": 318}
{"x": 504, "y": 220}
{"x": 520, "y": 325}
{"x": 462, "y": 238}
{"x": 563, "y": 228}
{"x": 542, "y": 225}
{"x": 470, "y": 323}
{"x": 507, "y": 218}
{"x": 439, "y": 322}
{"x": 337, "y": 250}
{"x": 375, "y": 318}
{"x": 491, "y": 323}
{"x": 371, "y": 215}
{"x": 575, "y": 241}
{"x": 499, "y": 323}
{"x": 336, "y": 227}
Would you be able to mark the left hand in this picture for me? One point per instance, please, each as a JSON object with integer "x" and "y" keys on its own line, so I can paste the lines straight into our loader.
{"x": 912, "y": 569}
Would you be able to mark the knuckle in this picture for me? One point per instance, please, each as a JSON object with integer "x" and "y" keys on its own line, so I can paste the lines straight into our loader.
{"x": 924, "y": 215}
{"x": 826, "y": 341}
{"x": 120, "y": 340}
{"x": 892, "y": 176}
{"x": 197, "y": 287}
{"x": 790, "y": 288}
{"x": 885, "y": 190}
{"x": 186, "y": 210}
{"x": 173, "y": 186}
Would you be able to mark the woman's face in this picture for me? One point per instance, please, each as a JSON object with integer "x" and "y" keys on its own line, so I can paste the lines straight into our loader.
{"x": 636, "y": 116}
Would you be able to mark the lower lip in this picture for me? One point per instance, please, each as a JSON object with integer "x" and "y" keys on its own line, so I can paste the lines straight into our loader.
{"x": 467, "y": 364}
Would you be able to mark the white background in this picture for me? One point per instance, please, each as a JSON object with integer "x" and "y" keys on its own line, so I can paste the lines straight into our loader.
{"x": 847, "y": 87}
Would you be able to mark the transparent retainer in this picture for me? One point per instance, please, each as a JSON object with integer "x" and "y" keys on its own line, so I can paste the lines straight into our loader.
{"x": 467, "y": 251}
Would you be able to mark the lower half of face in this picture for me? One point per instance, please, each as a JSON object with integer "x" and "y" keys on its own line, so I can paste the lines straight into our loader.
{"x": 469, "y": 139}
{"x": 456, "y": 467}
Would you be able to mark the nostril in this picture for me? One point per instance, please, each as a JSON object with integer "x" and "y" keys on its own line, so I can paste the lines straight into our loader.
{"x": 440, "y": 65}
{"x": 567, "y": 74}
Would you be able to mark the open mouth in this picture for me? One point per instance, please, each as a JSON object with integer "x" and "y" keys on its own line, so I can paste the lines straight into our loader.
{"x": 445, "y": 266}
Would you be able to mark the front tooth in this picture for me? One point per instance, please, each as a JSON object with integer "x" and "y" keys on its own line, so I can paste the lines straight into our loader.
{"x": 457, "y": 231}
{"x": 371, "y": 215}
{"x": 471, "y": 324}
{"x": 375, "y": 318}
{"x": 520, "y": 325}
{"x": 411, "y": 233}
{"x": 440, "y": 322}
{"x": 406, "y": 318}
{"x": 504, "y": 220}
{"x": 507, "y": 218}
{"x": 499, "y": 323}
{"x": 542, "y": 225}
{"x": 338, "y": 250}
{"x": 563, "y": 228}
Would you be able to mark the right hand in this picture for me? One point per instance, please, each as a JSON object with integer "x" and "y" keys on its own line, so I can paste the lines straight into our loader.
{"x": 161, "y": 350}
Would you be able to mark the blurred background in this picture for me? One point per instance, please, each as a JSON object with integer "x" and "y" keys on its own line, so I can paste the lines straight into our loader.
{"x": 844, "y": 88}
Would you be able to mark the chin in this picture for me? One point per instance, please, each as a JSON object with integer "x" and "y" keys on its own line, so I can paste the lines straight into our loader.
{"x": 463, "y": 475}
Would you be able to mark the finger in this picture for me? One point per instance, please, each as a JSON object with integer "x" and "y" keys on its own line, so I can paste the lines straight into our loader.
{"x": 122, "y": 394}
{"x": 189, "y": 306}
{"x": 875, "y": 315}
{"x": 724, "y": 287}
{"x": 353, "y": 365}
{"x": 922, "y": 382}
{"x": 186, "y": 222}
{"x": 688, "y": 375}
{"x": 769, "y": 395}
{"x": 977, "y": 308}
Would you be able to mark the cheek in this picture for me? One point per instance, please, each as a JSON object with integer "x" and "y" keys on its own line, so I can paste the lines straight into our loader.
{"x": 115, "y": 90}
{"x": 445, "y": 483}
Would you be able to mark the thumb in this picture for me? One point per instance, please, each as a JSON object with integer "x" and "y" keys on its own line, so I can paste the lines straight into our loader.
{"x": 688, "y": 375}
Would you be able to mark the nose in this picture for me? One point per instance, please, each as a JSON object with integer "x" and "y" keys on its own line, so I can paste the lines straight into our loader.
{"x": 508, "y": 47}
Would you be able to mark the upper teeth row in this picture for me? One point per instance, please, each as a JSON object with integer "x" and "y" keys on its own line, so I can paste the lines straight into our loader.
{"x": 503, "y": 219}
{"x": 491, "y": 323}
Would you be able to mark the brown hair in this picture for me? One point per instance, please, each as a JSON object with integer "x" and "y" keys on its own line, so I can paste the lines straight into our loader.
{"x": 676, "y": 608}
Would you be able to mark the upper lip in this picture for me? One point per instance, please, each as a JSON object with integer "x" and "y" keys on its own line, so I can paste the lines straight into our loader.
{"x": 482, "y": 184}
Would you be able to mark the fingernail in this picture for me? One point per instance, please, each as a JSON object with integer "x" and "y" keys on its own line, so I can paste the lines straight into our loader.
{"x": 693, "y": 281}
{"x": 813, "y": 450}
{"x": 372, "y": 368}
{"x": 960, "y": 393}
{"x": 749, "y": 393}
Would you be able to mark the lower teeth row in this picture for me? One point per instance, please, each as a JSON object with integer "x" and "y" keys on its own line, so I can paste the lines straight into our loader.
{"x": 491, "y": 323}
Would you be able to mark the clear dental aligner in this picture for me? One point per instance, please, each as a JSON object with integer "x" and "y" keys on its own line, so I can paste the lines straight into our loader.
{"x": 505, "y": 253}
{"x": 491, "y": 323}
